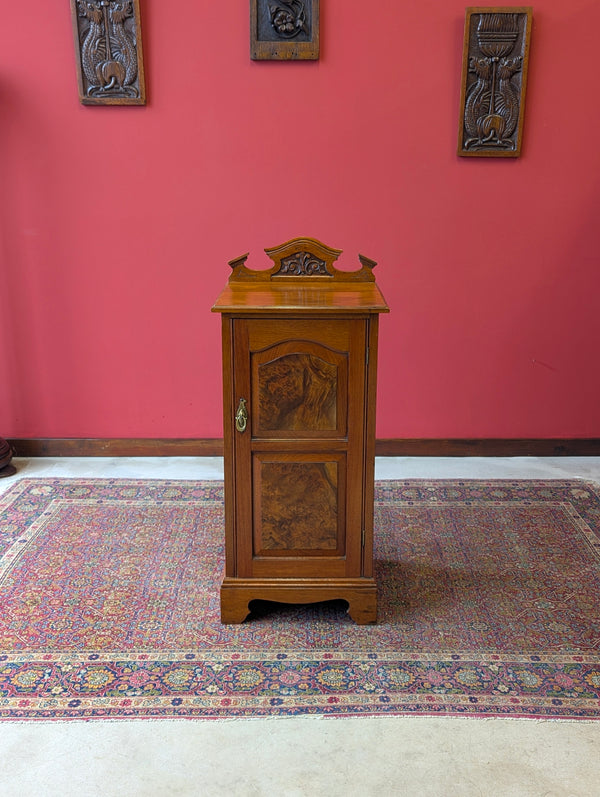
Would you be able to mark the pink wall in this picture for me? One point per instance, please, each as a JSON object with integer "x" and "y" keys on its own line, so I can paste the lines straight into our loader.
{"x": 116, "y": 224}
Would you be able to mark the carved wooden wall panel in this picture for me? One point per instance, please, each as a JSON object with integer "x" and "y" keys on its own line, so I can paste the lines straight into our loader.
{"x": 494, "y": 78}
{"x": 108, "y": 51}
{"x": 284, "y": 29}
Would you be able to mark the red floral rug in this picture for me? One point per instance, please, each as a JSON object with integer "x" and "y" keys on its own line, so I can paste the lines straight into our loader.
{"x": 488, "y": 606}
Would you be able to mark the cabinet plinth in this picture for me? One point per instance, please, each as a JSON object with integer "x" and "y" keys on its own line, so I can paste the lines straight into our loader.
{"x": 299, "y": 378}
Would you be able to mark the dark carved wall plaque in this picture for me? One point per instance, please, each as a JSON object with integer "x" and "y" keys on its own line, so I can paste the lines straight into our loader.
{"x": 284, "y": 30}
{"x": 108, "y": 50}
{"x": 494, "y": 78}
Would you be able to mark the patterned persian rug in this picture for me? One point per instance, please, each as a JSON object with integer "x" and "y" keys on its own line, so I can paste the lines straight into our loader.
{"x": 488, "y": 606}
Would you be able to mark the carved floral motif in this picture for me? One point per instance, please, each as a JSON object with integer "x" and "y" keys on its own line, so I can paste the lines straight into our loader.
{"x": 288, "y": 18}
{"x": 284, "y": 30}
{"x": 302, "y": 264}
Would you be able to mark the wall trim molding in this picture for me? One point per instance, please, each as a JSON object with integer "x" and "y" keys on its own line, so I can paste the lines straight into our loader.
{"x": 388, "y": 447}
{"x": 116, "y": 447}
{"x": 489, "y": 447}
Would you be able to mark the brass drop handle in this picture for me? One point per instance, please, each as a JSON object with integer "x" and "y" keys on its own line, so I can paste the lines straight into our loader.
{"x": 241, "y": 416}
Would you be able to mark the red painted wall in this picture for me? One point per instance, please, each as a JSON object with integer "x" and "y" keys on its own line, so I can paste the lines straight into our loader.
{"x": 116, "y": 224}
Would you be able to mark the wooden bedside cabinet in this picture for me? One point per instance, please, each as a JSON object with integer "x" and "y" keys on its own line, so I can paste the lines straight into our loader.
{"x": 299, "y": 378}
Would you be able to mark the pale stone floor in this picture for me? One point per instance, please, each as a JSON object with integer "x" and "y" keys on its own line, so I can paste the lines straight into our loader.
{"x": 303, "y": 756}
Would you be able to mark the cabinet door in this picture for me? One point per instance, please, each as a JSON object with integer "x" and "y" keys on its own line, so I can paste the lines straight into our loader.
{"x": 299, "y": 462}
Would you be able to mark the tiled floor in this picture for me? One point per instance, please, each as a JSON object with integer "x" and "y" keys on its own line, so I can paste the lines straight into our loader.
{"x": 294, "y": 757}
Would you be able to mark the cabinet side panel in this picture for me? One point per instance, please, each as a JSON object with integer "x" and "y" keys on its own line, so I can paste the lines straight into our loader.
{"x": 369, "y": 454}
{"x": 356, "y": 447}
{"x": 228, "y": 448}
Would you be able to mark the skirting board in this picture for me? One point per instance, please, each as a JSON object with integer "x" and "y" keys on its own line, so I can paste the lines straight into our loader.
{"x": 393, "y": 447}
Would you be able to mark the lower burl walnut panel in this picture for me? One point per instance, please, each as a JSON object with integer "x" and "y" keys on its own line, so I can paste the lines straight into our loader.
{"x": 298, "y": 508}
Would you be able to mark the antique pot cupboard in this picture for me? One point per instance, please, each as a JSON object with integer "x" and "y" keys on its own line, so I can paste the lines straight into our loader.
{"x": 299, "y": 385}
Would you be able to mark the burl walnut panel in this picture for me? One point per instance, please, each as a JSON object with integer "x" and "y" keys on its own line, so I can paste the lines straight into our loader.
{"x": 297, "y": 392}
{"x": 298, "y": 508}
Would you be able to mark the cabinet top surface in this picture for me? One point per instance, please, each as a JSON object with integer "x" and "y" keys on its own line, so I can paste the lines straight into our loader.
{"x": 332, "y": 298}
{"x": 303, "y": 279}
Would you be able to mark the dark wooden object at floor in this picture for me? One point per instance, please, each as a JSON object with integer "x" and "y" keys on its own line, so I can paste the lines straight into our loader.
{"x": 108, "y": 52}
{"x": 494, "y": 79}
{"x": 299, "y": 376}
{"x": 6, "y": 454}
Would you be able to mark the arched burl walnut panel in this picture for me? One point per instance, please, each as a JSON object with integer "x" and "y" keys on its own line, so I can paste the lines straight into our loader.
{"x": 299, "y": 377}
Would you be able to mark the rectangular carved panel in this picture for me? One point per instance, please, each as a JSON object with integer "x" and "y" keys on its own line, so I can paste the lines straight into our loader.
{"x": 298, "y": 507}
{"x": 108, "y": 51}
{"x": 284, "y": 30}
{"x": 494, "y": 78}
